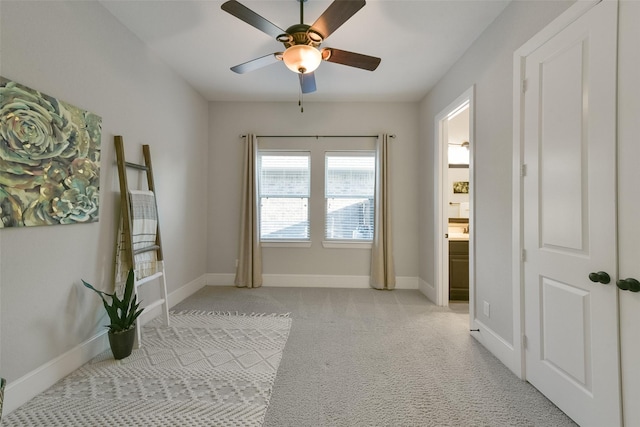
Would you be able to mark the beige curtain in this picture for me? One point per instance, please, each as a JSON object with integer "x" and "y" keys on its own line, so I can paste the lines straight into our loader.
{"x": 383, "y": 275}
{"x": 249, "y": 269}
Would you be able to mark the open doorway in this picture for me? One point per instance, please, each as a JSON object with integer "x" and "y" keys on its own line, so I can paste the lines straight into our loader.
{"x": 454, "y": 209}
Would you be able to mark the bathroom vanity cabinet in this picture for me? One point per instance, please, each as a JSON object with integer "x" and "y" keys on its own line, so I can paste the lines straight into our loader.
{"x": 459, "y": 270}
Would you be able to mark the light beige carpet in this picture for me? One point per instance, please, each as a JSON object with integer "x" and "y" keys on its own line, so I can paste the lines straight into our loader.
{"x": 363, "y": 357}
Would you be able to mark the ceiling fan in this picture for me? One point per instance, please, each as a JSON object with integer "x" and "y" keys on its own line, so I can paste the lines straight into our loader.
{"x": 301, "y": 41}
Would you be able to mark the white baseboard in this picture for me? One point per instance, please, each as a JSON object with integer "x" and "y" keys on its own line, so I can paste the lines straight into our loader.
{"x": 215, "y": 279}
{"x": 493, "y": 342}
{"x": 311, "y": 281}
{"x": 175, "y": 297}
{"x": 23, "y": 389}
{"x": 428, "y": 290}
{"x": 404, "y": 282}
{"x": 497, "y": 346}
{"x": 315, "y": 281}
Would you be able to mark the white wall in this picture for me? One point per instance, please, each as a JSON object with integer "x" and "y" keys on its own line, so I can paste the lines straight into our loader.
{"x": 229, "y": 120}
{"x": 79, "y": 53}
{"x": 488, "y": 64}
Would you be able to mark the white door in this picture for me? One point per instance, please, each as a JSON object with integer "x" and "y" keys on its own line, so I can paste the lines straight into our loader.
{"x": 571, "y": 322}
{"x": 629, "y": 205}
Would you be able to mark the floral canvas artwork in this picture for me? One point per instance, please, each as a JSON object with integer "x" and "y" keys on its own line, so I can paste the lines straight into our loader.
{"x": 49, "y": 159}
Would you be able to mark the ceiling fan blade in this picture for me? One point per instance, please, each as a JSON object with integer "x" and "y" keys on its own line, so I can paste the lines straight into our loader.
{"x": 254, "y": 64}
{"x": 307, "y": 82}
{"x": 336, "y": 14}
{"x": 250, "y": 17}
{"x": 351, "y": 59}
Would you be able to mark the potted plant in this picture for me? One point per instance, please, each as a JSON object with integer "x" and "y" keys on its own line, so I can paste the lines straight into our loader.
{"x": 122, "y": 314}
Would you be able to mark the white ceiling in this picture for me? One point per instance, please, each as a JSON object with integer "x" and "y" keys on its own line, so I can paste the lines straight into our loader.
{"x": 418, "y": 41}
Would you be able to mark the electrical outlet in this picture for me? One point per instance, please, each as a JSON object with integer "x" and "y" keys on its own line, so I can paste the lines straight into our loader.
{"x": 236, "y": 263}
{"x": 485, "y": 309}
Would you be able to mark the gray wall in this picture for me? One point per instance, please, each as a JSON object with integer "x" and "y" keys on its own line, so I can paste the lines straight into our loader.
{"x": 229, "y": 120}
{"x": 487, "y": 64}
{"x": 79, "y": 53}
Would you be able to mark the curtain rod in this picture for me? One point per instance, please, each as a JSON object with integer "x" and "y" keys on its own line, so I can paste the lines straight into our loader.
{"x": 317, "y": 136}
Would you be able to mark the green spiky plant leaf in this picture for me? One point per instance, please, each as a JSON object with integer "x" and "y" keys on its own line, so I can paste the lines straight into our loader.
{"x": 122, "y": 312}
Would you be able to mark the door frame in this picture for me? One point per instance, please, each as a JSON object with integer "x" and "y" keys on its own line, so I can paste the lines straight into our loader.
{"x": 442, "y": 209}
{"x": 575, "y": 11}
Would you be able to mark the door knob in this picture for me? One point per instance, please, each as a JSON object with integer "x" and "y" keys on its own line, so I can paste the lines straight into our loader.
{"x": 600, "y": 276}
{"x": 628, "y": 285}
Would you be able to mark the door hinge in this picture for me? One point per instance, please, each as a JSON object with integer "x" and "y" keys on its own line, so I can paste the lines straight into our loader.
{"x": 523, "y": 255}
{"x": 523, "y": 170}
{"x": 524, "y": 341}
{"x": 524, "y": 85}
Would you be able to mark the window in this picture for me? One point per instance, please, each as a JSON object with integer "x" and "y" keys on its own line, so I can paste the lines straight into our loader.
{"x": 459, "y": 154}
{"x": 349, "y": 191}
{"x": 283, "y": 186}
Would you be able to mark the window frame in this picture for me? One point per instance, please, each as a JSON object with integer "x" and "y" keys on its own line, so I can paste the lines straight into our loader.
{"x": 342, "y": 242}
{"x": 279, "y": 242}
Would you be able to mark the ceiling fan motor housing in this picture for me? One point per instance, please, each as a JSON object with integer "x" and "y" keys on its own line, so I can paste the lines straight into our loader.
{"x": 300, "y": 34}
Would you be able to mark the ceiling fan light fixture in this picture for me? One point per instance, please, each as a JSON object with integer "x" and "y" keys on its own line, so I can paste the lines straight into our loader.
{"x": 285, "y": 38}
{"x": 314, "y": 36}
{"x": 302, "y": 58}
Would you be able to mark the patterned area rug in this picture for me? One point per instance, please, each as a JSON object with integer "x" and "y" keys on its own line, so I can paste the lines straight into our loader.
{"x": 206, "y": 369}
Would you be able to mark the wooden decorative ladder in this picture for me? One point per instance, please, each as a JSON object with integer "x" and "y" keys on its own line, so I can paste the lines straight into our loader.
{"x": 127, "y": 229}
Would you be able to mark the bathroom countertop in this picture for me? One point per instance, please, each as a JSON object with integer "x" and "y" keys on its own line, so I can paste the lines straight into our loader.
{"x": 458, "y": 236}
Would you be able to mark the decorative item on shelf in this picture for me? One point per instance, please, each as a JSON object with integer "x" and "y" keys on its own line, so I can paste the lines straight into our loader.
{"x": 122, "y": 314}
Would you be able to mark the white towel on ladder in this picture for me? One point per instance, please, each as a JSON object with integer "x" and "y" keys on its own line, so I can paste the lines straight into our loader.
{"x": 464, "y": 210}
{"x": 144, "y": 226}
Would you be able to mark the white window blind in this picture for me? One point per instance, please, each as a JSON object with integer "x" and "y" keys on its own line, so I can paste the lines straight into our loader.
{"x": 283, "y": 185}
{"x": 349, "y": 192}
